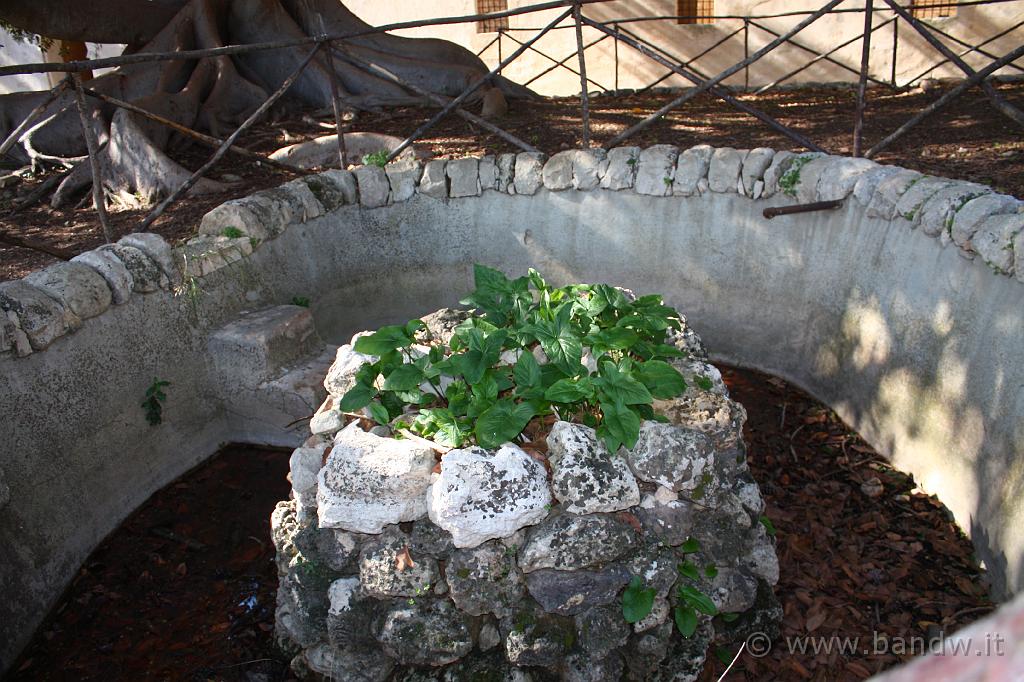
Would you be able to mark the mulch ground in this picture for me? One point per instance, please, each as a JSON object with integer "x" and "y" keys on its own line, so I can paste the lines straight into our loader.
{"x": 184, "y": 589}
{"x": 968, "y": 140}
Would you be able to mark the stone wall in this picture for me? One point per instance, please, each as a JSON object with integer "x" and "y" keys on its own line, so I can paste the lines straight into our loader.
{"x": 900, "y": 309}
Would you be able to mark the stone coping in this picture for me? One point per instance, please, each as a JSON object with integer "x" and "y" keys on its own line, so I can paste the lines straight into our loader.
{"x": 984, "y": 226}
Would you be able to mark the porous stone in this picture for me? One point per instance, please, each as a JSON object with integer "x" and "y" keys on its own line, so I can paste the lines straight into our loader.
{"x": 489, "y": 637}
{"x": 403, "y": 175}
{"x": 352, "y": 664}
{"x": 691, "y": 167}
{"x": 570, "y": 592}
{"x": 975, "y": 212}
{"x": 888, "y": 192}
{"x": 840, "y": 176}
{"x": 484, "y": 579}
{"x": 726, "y": 531}
{"x": 146, "y": 275}
{"x": 5, "y": 491}
{"x": 506, "y": 164}
{"x": 304, "y": 466}
{"x": 804, "y": 175}
{"x": 441, "y": 324}
{"x": 601, "y": 629}
{"x": 672, "y": 456}
{"x": 557, "y": 171}
{"x": 913, "y": 199}
{"x": 342, "y": 374}
{"x": 776, "y": 169}
{"x": 112, "y": 270}
{"x": 349, "y": 614}
{"x": 327, "y": 420}
{"x": 668, "y": 519}
{"x": 205, "y": 254}
{"x": 586, "y": 478}
{"x": 529, "y": 170}
{"x": 333, "y": 188}
{"x": 755, "y": 164}
{"x": 370, "y": 482}
{"x": 240, "y": 214}
{"x": 732, "y": 590}
{"x": 157, "y": 249}
{"x": 383, "y": 575}
{"x": 655, "y": 170}
{"x": 580, "y": 668}
{"x": 7, "y": 331}
{"x": 481, "y": 495}
{"x": 994, "y": 242}
{"x": 760, "y": 557}
{"x": 300, "y": 199}
{"x": 431, "y": 540}
{"x": 488, "y": 170}
{"x": 373, "y": 186}
{"x": 536, "y": 638}
{"x": 41, "y": 318}
{"x": 588, "y": 166}
{"x": 434, "y": 181}
{"x": 621, "y": 170}
{"x": 464, "y": 178}
{"x": 428, "y": 633}
{"x": 724, "y": 171}
{"x": 714, "y": 414}
{"x": 302, "y": 603}
{"x": 935, "y": 217}
{"x": 76, "y": 286}
{"x": 868, "y": 182}
{"x": 570, "y": 542}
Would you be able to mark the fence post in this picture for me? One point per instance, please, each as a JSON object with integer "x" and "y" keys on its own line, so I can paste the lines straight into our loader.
{"x": 865, "y": 58}
{"x": 92, "y": 149}
{"x": 584, "y": 95}
{"x": 746, "y": 52}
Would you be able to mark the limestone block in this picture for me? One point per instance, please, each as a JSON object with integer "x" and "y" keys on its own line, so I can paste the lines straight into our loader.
{"x": 488, "y": 171}
{"x": 41, "y": 318}
{"x": 403, "y": 175}
{"x": 621, "y": 170}
{"x": 342, "y": 374}
{"x": 327, "y": 420}
{"x": 810, "y": 173}
{"x": 568, "y": 593}
{"x": 570, "y": 542}
{"x": 76, "y": 286}
{"x": 588, "y": 166}
{"x": 935, "y": 217}
{"x": 724, "y": 170}
{"x": 333, "y": 188}
{"x": 304, "y": 465}
{"x": 975, "y": 212}
{"x": 381, "y": 575}
{"x": 484, "y": 579}
{"x": 655, "y": 170}
{"x": 840, "y": 177}
{"x": 557, "y": 173}
{"x": 426, "y": 633}
{"x": 529, "y": 171}
{"x": 112, "y": 270}
{"x": 754, "y": 166}
{"x": 586, "y": 478}
{"x": 258, "y": 345}
{"x": 914, "y": 197}
{"x": 776, "y": 169}
{"x": 691, "y": 167}
{"x": 371, "y": 482}
{"x": 300, "y": 198}
{"x": 241, "y": 214}
{"x": 158, "y": 250}
{"x": 373, "y": 186}
{"x": 672, "y": 456}
{"x": 464, "y": 177}
{"x": 483, "y": 495}
{"x": 868, "y": 182}
{"x": 888, "y": 192}
{"x": 434, "y": 182}
{"x": 994, "y": 242}
{"x": 506, "y": 164}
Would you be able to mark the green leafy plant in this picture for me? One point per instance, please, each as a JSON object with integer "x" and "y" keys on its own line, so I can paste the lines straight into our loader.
{"x": 789, "y": 179}
{"x": 637, "y": 601}
{"x": 300, "y": 301}
{"x": 377, "y": 158}
{"x": 769, "y": 527}
{"x": 690, "y": 600}
{"x": 232, "y": 233}
{"x": 153, "y": 404}
{"x": 521, "y": 355}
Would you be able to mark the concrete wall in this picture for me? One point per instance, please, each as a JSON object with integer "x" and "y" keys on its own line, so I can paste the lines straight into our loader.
{"x": 15, "y": 52}
{"x": 914, "y": 339}
{"x": 972, "y": 24}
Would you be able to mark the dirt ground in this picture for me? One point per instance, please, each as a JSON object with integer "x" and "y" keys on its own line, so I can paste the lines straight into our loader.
{"x": 968, "y": 140}
{"x": 184, "y": 589}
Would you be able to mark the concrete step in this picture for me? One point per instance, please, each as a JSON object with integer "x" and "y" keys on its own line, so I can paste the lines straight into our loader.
{"x": 260, "y": 344}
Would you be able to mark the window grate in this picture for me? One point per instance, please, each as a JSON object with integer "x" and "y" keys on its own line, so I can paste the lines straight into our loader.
{"x": 695, "y": 11}
{"x": 491, "y": 25}
{"x": 931, "y": 9}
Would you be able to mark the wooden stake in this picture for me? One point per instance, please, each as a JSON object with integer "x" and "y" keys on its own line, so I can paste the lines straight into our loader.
{"x": 94, "y": 161}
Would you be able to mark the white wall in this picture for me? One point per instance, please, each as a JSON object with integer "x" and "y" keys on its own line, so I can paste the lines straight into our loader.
{"x": 14, "y": 52}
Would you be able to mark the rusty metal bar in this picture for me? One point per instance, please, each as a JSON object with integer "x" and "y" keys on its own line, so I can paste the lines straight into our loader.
{"x": 862, "y": 84}
{"x": 448, "y": 108}
{"x": 36, "y": 112}
{"x": 775, "y": 211}
{"x": 94, "y": 161}
{"x": 703, "y": 85}
{"x": 946, "y": 98}
{"x": 223, "y": 149}
{"x": 783, "y": 79}
{"x": 998, "y": 101}
{"x": 584, "y": 95}
{"x": 708, "y": 84}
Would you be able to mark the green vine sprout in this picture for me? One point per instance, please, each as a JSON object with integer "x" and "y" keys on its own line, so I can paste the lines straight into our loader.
{"x": 520, "y": 355}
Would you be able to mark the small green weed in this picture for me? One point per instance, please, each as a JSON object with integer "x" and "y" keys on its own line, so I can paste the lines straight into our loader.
{"x": 378, "y": 158}
{"x": 153, "y": 404}
{"x": 232, "y": 233}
